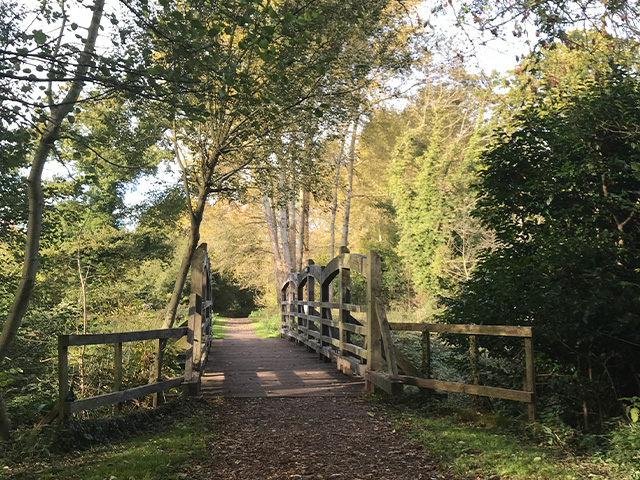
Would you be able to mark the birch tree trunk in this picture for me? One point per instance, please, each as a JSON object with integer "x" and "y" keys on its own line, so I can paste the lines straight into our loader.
{"x": 349, "y": 192}
{"x": 272, "y": 226}
{"x": 303, "y": 235}
{"x": 48, "y": 138}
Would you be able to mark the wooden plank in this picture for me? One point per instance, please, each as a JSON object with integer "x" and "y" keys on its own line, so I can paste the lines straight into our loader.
{"x": 129, "y": 394}
{"x": 530, "y": 382}
{"x": 426, "y": 354}
{"x": 491, "y": 330}
{"x": 117, "y": 369}
{"x": 346, "y": 306}
{"x": 404, "y": 364}
{"x": 350, "y": 327}
{"x": 385, "y": 382}
{"x": 373, "y": 336}
{"x": 387, "y": 341}
{"x": 356, "y": 350}
{"x": 121, "y": 337}
{"x": 517, "y": 395}
{"x": 63, "y": 378}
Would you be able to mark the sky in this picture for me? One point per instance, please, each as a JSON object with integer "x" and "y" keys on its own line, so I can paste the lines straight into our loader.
{"x": 483, "y": 55}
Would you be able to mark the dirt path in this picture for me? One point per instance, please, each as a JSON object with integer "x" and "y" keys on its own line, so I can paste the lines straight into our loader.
{"x": 243, "y": 365}
{"x": 285, "y": 414}
{"x": 339, "y": 438}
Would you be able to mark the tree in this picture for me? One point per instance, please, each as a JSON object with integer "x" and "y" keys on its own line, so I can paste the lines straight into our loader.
{"x": 58, "y": 112}
{"x": 431, "y": 177}
{"x": 561, "y": 189}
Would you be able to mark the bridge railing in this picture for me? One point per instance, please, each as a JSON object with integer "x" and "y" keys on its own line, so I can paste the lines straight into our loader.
{"x": 197, "y": 333}
{"x": 359, "y": 337}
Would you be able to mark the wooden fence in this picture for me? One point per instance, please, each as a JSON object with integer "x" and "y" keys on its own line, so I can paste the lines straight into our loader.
{"x": 197, "y": 333}
{"x": 358, "y": 336}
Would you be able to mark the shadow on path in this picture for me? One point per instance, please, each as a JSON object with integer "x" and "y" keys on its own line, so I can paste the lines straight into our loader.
{"x": 244, "y": 365}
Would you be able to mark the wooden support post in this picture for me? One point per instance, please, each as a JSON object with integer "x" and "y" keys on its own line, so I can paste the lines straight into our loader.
{"x": 387, "y": 341}
{"x": 531, "y": 377}
{"x": 197, "y": 333}
{"x": 374, "y": 338}
{"x": 426, "y": 354}
{"x": 117, "y": 371}
{"x": 325, "y": 314}
{"x": 190, "y": 351}
{"x": 473, "y": 364}
{"x": 156, "y": 398}
{"x": 311, "y": 295}
{"x": 63, "y": 377}
{"x": 344, "y": 297}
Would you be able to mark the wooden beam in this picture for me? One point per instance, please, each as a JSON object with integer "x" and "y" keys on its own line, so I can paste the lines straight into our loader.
{"x": 517, "y": 395}
{"x": 63, "y": 379}
{"x": 387, "y": 341}
{"x": 121, "y": 337}
{"x": 129, "y": 394}
{"x": 491, "y": 330}
{"x": 384, "y": 382}
{"x": 530, "y": 382}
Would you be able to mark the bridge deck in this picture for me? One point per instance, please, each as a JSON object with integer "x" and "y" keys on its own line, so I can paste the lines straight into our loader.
{"x": 244, "y": 365}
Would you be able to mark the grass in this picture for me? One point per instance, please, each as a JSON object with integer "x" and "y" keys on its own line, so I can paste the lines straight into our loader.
{"x": 168, "y": 453}
{"x": 218, "y": 328}
{"x": 266, "y": 322}
{"x": 488, "y": 446}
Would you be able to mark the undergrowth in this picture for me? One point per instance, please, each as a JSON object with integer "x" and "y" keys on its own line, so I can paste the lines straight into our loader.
{"x": 488, "y": 446}
{"x": 266, "y": 322}
{"x": 160, "y": 443}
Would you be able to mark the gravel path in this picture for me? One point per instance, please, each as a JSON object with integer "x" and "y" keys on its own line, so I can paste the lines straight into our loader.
{"x": 285, "y": 414}
{"x": 339, "y": 438}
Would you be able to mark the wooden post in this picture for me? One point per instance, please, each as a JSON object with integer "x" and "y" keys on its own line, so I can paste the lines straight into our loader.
{"x": 293, "y": 297}
{"x": 345, "y": 297}
{"x": 531, "y": 377}
{"x": 299, "y": 309}
{"x": 325, "y": 314}
{"x": 374, "y": 337}
{"x": 311, "y": 295}
{"x": 63, "y": 377}
{"x": 198, "y": 286}
{"x": 189, "y": 353}
{"x": 117, "y": 371}
{"x": 156, "y": 399}
{"x": 197, "y": 333}
{"x": 473, "y": 364}
{"x": 426, "y": 354}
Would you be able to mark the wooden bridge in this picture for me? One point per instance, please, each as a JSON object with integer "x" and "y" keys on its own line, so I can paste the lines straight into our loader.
{"x": 343, "y": 325}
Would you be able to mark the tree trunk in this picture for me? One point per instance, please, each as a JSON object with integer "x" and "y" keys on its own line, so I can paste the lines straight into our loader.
{"x": 284, "y": 231}
{"x": 303, "y": 239}
{"x": 48, "y": 138}
{"x": 270, "y": 219}
{"x": 334, "y": 206}
{"x": 349, "y": 192}
{"x": 291, "y": 225}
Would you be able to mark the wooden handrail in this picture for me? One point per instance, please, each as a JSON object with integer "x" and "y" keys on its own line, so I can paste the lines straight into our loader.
{"x": 121, "y": 337}
{"x": 313, "y": 323}
{"x": 198, "y": 333}
{"x": 490, "y": 330}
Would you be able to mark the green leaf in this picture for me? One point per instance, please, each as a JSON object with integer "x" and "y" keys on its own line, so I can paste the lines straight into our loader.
{"x": 39, "y": 37}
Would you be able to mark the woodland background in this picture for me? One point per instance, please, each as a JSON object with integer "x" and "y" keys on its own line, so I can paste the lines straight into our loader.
{"x": 277, "y": 131}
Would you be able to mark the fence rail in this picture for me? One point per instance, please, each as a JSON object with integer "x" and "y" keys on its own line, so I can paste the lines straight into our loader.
{"x": 197, "y": 333}
{"x": 364, "y": 344}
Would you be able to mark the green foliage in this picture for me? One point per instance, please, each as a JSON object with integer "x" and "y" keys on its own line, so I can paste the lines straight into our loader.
{"x": 560, "y": 189}
{"x": 485, "y": 445}
{"x": 625, "y": 449}
{"x": 266, "y": 322}
{"x": 431, "y": 174}
{"x": 161, "y": 443}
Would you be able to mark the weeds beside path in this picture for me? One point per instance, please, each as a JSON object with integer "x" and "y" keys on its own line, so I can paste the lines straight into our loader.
{"x": 253, "y": 439}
